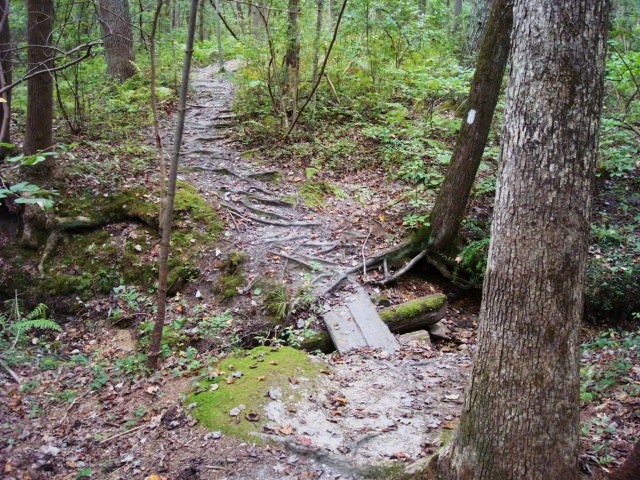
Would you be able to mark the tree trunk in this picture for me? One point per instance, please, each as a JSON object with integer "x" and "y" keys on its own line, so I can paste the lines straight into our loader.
{"x": 457, "y": 14}
{"x": 291, "y": 72}
{"x": 156, "y": 336}
{"x": 5, "y": 75}
{"x": 479, "y": 14}
{"x": 219, "y": 36}
{"x": 316, "y": 45}
{"x": 630, "y": 469}
{"x": 118, "y": 40}
{"x": 39, "y": 126}
{"x": 201, "y": 27}
{"x": 521, "y": 414}
{"x": 452, "y": 199}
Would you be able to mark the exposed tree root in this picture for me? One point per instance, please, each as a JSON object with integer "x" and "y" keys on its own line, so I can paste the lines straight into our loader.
{"x": 392, "y": 256}
{"x": 52, "y": 242}
{"x": 262, "y": 212}
{"x": 299, "y": 261}
{"x": 253, "y": 218}
{"x": 408, "y": 266}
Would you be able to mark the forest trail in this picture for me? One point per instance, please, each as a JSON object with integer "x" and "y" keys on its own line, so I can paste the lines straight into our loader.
{"x": 395, "y": 406}
{"x": 283, "y": 237}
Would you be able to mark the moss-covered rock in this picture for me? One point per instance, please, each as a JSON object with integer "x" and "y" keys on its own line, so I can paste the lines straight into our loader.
{"x": 232, "y": 276}
{"x": 244, "y": 380}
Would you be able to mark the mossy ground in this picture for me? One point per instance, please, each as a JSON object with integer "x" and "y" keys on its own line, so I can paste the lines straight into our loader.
{"x": 120, "y": 246}
{"x": 232, "y": 276}
{"x": 262, "y": 368}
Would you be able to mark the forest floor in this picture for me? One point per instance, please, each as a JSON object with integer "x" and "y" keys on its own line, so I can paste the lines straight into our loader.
{"x": 294, "y": 234}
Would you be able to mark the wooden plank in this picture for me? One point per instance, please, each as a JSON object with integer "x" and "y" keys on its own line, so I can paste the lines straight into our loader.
{"x": 344, "y": 332}
{"x": 373, "y": 329}
{"x": 356, "y": 324}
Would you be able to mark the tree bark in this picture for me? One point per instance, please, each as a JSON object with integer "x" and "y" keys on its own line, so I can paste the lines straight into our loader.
{"x": 451, "y": 202}
{"x": 118, "y": 39}
{"x": 479, "y": 14}
{"x": 291, "y": 72}
{"x": 630, "y": 469}
{"x": 39, "y": 124}
{"x": 316, "y": 45}
{"x": 5, "y": 75}
{"x": 521, "y": 414}
{"x": 201, "y": 24}
{"x": 156, "y": 336}
{"x": 219, "y": 36}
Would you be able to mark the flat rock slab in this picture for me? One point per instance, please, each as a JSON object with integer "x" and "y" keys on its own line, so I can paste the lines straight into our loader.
{"x": 356, "y": 324}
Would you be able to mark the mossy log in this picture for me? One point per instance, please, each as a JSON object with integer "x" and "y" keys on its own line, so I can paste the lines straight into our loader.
{"x": 318, "y": 341}
{"x": 407, "y": 317}
{"x": 415, "y": 314}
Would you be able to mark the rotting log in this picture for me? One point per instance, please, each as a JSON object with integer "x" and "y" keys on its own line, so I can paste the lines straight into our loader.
{"x": 415, "y": 314}
{"x": 319, "y": 340}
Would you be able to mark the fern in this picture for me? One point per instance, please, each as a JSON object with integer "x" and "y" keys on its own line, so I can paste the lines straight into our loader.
{"x": 14, "y": 322}
{"x": 38, "y": 323}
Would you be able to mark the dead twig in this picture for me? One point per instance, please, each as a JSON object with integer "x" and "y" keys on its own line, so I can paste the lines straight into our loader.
{"x": 13, "y": 374}
{"x": 122, "y": 434}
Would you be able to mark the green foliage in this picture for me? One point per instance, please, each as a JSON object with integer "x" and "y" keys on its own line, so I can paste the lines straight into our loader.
{"x": 15, "y": 322}
{"x": 601, "y": 379}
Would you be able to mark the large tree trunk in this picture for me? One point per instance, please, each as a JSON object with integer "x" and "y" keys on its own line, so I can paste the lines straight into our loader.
{"x": 452, "y": 199}
{"x": 118, "y": 40}
{"x": 520, "y": 420}
{"x": 39, "y": 129}
{"x": 5, "y": 76}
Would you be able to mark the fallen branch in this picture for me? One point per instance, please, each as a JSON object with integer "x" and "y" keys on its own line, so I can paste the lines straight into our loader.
{"x": 122, "y": 434}
{"x": 13, "y": 374}
{"x": 370, "y": 262}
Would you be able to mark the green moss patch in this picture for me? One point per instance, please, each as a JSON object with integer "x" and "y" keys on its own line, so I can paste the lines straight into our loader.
{"x": 232, "y": 275}
{"x": 314, "y": 193}
{"x": 245, "y": 379}
{"x": 112, "y": 240}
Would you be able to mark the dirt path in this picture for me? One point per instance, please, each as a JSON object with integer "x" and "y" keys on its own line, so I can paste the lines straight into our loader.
{"x": 395, "y": 407}
{"x": 284, "y": 238}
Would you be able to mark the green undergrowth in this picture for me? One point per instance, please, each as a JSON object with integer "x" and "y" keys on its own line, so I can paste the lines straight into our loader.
{"x": 113, "y": 240}
{"x": 608, "y": 366}
{"x": 244, "y": 380}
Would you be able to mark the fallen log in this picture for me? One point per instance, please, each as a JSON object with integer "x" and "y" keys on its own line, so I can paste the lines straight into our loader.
{"x": 415, "y": 314}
